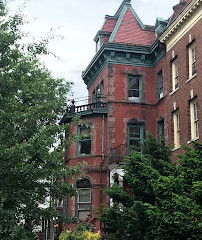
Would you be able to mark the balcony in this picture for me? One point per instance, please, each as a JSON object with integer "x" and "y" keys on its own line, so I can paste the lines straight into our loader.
{"x": 87, "y": 107}
{"x": 95, "y": 108}
{"x": 118, "y": 154}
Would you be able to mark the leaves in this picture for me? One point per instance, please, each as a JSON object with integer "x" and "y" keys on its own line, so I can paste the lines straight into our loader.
{"x": 166, "y": 200}
{"x": 31, "y": 141}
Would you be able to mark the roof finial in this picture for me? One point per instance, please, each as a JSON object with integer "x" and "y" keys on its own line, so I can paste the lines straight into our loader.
{"x": 123, "y": 4}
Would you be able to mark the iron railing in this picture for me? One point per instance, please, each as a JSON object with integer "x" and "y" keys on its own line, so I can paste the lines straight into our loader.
{"x": 118, "y": 153}
{"x": 86, "y": 107}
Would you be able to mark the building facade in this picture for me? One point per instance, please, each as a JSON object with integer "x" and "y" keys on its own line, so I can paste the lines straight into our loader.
{"x": 141, "y": 79}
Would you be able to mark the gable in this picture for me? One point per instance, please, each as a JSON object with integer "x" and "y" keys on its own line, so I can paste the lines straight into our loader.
{"x": 130, "y": 31}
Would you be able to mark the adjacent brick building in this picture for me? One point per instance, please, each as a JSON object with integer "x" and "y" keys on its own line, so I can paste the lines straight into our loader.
{"x": 141, "y": 79}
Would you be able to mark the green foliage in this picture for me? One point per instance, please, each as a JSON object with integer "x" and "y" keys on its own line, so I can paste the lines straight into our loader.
{"x": 31, "y": 141}
{"x": 81, "y": 232}
{"x": 73, "y": 235}
{"x": 166, "y": 198}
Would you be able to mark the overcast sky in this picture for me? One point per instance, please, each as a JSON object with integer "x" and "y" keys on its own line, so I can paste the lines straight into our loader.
{"x": 78, "y": 22}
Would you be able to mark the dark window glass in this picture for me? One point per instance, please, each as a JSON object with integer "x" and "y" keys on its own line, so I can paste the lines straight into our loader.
{"x": 135, "y": 136}
{"x": 134, "y": 88}
{"x": 161, "y": 129}
{"x": 84, "y": 141}
{"x": 160, "y": 84}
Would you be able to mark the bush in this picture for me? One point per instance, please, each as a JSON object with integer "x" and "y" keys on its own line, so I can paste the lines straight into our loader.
{"x": 78, "y": 235}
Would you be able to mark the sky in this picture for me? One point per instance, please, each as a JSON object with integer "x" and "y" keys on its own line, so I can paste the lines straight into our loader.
{"x": 78, "y": 21}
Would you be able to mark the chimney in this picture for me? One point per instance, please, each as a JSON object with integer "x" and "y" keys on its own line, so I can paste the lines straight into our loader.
{"x": 177, "y": 9}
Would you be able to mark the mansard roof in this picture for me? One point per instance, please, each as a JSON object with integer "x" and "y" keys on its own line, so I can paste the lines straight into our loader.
{"x": 109, "y": 24}
{"x": 125, "y": 27}
{"x": 130, "y": 30}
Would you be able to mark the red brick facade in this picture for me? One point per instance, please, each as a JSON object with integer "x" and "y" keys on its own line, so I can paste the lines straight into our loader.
{"x": 114, "y": 65}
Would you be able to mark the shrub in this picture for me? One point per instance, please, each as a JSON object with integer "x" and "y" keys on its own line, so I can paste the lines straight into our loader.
{"x": 78, "y": 235}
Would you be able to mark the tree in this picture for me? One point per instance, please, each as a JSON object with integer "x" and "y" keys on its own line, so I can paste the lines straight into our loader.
{"x": 31, "y": 140}
{"x": 165, "y": 200}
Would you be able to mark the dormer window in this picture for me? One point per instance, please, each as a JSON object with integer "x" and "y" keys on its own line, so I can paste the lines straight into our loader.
{"x": 98, "y": 44}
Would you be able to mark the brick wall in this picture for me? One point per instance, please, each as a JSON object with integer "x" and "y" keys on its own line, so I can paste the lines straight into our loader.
{"x": 182, "y": 96}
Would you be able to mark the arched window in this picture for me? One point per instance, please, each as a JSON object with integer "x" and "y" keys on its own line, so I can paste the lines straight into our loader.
{"x": 84, "y": 199}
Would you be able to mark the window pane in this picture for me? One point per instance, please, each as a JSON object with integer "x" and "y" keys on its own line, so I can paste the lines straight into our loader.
{"x": 133, "y": 83}
{"x": 178, "y": 122}
{"x": 135, "y": 143}
{"x": 160, "y": 129}
{"x": 134, "y": 132}
{"x": 195, "y": 111}
{"x": 133, "y": 93}
{"x": 85, "y": 197}
{"x": 85, "y": 147}
{"x": 85, "y": 132}
{"x": 193, "y": 54}
{"x": 176, "y": 69}
{"x": 84, "y": 206}
{"x": 196, "y": 129}
{"x": 176, "y": 83}
{"x": 193, "y": 68}
{"x": 83, "y": 214}
{"x": 160, "y": 84}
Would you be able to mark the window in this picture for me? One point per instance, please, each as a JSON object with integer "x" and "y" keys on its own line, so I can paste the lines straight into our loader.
{"x": 160, "y": 128}
{"x": 194, "y": 119}
{"x": 134, "y": 88}
{"x": 160, "y": 84}
{"x": 84, "y": 199}
{"x": 135, "y": 137}
{"x": 192, "y": 60}
{"x": 84, "y": 142}
{"x": 94, "y": 96}
{"x": 58, "y": 203}
{"x": 175, "y": 78}
{"x": 98, "y": 44}
{"x": 176, "y": 121}
{"x": 98, "y": 93}
{"x": 102, "y": 90}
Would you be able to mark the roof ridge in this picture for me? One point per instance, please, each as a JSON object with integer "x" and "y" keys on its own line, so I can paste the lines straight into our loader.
{"x": 124, "y": 3}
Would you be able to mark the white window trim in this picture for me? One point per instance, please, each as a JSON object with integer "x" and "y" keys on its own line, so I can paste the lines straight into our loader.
{"x": 188, "y": 80}
{"x": 176, "y": 122}
{"x": 191, "y": 61}
{"x": 194, "y": 122}
{"x": 175, "y": 75}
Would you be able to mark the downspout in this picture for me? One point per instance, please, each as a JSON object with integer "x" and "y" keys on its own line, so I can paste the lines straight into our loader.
{"x": 102, "y": 160}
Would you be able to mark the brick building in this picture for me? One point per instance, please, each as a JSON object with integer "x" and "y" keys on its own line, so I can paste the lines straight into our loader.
{"x": 141, "y": 79}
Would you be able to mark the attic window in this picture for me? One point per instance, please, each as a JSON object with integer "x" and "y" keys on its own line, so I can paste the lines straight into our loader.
{"x": 98, "y": 44}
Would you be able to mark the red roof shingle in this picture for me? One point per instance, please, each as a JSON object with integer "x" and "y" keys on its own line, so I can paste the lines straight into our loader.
{"x": 130, "y": 32}
{"x": 109, "y": 25}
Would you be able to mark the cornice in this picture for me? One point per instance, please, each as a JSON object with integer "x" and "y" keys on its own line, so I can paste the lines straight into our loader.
{"x": 90, "y": 113}
{"x": 183, "y": 17}
{"x": 146, "y": 56}
{"x": 111, "y": 17}
{"x": 99, "y": 33}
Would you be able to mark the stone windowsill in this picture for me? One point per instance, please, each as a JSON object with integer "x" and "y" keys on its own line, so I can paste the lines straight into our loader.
{"x": 174, "y": 91}
{"x": 175, "y": 149}
{"x": 192, "y": 140}
{"x": 192, "y": 77}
